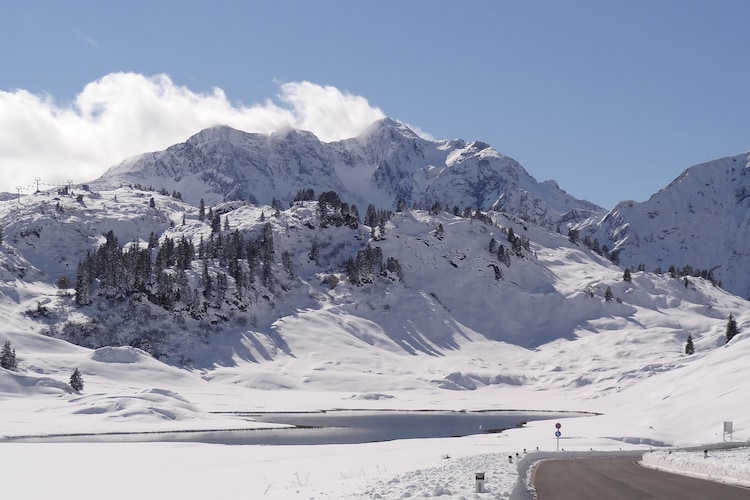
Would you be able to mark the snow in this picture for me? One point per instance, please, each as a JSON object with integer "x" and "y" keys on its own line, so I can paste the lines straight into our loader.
{"x": 727, "y": 466}
{"x": 450, "y": 338}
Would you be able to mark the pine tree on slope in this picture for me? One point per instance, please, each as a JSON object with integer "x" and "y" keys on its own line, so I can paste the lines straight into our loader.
{"x": 8, "y": 357}
{"x": 689, "y": 348}
{"x": 76, "y": 380}
{"x": 732, "y": 329}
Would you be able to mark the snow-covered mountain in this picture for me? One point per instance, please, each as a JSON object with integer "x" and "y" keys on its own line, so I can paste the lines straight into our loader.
{"x": 385, "y": 164}
{"x": 699, "y": 223}
{"x": 178, "y": 316}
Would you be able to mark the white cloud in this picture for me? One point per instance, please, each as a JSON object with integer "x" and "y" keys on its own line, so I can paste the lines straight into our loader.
{"x": 124, "y": 114}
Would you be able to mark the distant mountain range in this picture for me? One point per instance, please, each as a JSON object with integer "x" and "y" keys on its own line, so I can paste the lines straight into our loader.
{"x": 386, "y": 164}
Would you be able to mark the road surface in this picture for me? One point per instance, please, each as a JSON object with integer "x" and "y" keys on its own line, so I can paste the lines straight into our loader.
{"x": 623, "y": 479}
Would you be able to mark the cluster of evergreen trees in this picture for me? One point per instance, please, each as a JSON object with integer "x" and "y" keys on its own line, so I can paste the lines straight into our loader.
{"x": 160, "y": 270}
{"x": 518, "y": 245}
{"x": 369, "y": 263}
{"x": 334, "y": 212}
{"x": 167, "y": 274}
{"x": 376, "y": 220}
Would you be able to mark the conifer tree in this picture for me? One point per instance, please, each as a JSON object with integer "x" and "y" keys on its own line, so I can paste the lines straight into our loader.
{"x": 82, "y": 286}
{"x": 215, "y": 223}
{"x": 222, "y": 285}
{"x": 314, "y": 255}
{"x": 208, "y": 285}
{"x": 732, "y": 329}
{"x": 202, "y": 210}
{"x": 8, "y": 356}
{"x": 267, "y": 247}
{"x": 608, "y": 294}
{"x": 371, "y": 216}
{"x": 689, "y": 348}
{"x": 393, "y": 266}
{"x": 286, "y": 261}
{"x": 76, "y": 380}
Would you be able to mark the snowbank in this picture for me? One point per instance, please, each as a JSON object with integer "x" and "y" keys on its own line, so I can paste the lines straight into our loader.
{"x": 727, "y": 466}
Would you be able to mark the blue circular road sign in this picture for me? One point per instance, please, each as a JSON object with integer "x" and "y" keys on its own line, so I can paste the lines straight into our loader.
{"x": 558, "y": 433}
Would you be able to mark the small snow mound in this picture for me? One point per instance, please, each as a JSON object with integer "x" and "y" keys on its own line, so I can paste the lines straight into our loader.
{"x": 150, "y": 405}
{"x": 441, "y": 490}
{"x": 29, "y": 384}
{"x": 371, "y": 397}
{"x": 123, "y": 354}
{"x": 166, "y": 393}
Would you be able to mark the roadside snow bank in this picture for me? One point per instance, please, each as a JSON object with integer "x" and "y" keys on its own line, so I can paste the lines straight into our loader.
{"x": 726, "y": 466}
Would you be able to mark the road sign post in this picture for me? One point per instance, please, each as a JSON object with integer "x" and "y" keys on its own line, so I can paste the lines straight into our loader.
{"x": 727, "y": 430}
{"x": 557, "y": 435}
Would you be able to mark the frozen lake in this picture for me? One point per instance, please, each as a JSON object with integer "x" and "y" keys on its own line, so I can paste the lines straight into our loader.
{"x": 338, "y": 427}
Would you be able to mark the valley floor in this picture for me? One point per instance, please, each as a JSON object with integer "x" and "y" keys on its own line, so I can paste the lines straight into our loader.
{"x": 415, "y": 468}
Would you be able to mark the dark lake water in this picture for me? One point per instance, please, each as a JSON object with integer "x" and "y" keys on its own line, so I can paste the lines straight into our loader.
{"x": 339, "y": 427}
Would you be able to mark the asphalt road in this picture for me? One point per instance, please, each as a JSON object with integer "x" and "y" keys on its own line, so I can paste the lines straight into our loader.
{"x": 623, "y": 479}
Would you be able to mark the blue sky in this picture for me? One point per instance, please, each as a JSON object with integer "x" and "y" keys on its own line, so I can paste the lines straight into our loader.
{"x": 612, "y": 99}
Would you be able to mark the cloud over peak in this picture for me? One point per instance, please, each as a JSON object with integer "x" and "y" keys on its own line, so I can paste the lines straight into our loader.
{"x": 124, "y": 114}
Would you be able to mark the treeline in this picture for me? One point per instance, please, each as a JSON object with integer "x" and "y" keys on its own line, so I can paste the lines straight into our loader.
{"x": 674, "y": 271}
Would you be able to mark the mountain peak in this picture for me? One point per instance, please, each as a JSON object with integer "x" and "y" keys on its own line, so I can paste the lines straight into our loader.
{"x": 388, "y": 127}
{"x": 218, "y": 133}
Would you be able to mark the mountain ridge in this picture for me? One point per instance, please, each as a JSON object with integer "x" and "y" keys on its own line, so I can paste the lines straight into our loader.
{"x": 385, "y": 164}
